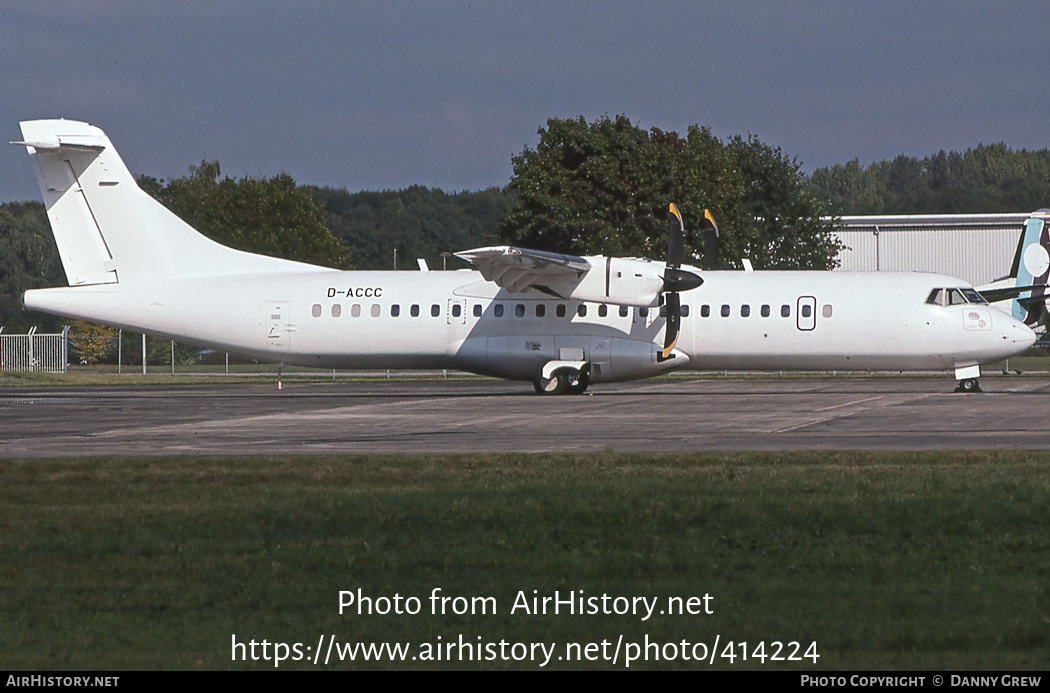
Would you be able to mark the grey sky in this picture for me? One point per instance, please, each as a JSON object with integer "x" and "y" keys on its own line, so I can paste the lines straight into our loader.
{"x": 385, "y": 95}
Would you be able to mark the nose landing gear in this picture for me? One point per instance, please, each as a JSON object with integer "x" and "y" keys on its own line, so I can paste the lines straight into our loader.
{"x": 967, "y": 377}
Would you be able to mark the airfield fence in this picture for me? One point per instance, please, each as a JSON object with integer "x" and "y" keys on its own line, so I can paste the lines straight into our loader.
{"x": 32, "y": 352}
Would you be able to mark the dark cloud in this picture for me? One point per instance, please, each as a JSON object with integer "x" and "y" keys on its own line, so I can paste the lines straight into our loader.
{"x": 370, "y": 95}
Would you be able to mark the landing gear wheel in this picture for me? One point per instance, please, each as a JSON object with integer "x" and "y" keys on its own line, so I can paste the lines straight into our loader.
{"x": 557, "y": 384}
{"x": 968, "y": 385}
{"x": 578, "y": 387}
{"x": 579, "y": 380}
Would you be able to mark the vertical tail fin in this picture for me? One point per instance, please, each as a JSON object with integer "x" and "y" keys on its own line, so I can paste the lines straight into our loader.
{"x": 1031, "y": 268}
{"x": 62, "y": 153}
{"x": 107, "y": 229}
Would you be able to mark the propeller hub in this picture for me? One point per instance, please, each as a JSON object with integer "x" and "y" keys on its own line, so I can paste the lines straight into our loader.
{"x": 680, "y": 280}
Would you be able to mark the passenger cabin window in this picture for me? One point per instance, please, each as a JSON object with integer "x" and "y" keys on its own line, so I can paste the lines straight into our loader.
{"x": 337, "y": 310}
{"x": 498, "y": 310}
{"x": 435, "y": 310}
{"x": 765, "y": 311}
{"x": 684, "y": 311}
{"x": 376, "y": 310}
{"x": 725, "y": 310}
{"x": 581, "y": 310}
{"x": 705, "y": 311}
{"x": 603, "y": 310}
{"x": 395, "y": 310}
{"x": 316, "y": 310}
{"x": 477, "y": 310}
{"x": 519, "y": 310}
{"x": 826, "y": 311}
{"x": 541, "y": 310}
{"x": 624, "y": 311}
{"x": 643, "y": 312}
{"x": 414, "y": 310}
{"x": 560, "y": 310}
{"x": 457, "y": 310}
{"x": 785, "y": 311}
{"x": 355, "y": 310}
{"x": 807, "y": 310}
{"x": 745, "y": 311}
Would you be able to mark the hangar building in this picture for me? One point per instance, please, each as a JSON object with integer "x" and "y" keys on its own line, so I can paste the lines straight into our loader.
{"x": 976, "y": 247}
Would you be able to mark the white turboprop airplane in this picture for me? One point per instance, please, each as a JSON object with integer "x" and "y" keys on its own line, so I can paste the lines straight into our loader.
{"x": 559, "y": 321}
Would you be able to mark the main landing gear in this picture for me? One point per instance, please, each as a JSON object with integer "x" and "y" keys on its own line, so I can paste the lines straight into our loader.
{"x": 564, "y": 381}
{"x": 968, "y": 385}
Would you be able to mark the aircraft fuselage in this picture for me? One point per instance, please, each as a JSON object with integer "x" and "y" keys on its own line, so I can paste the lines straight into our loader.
{"x": 429, "y": 320}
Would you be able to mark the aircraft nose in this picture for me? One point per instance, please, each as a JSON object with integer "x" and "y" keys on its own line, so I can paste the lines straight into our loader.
{"x": 1020, "y": 334}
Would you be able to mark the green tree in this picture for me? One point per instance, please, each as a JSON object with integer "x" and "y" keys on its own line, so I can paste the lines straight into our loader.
{"x": 784, "y": 225}
{"x": 272, "y": 216}
{"x": 158, "y": 352}
{"x": 28, "y": 260}
{"x": 604, "y": 187}
{"x": 983, "y": 179}
{"x": 418, "y": 222}
{"x": 93, "y": 343}
{"x": 848, "y": 186}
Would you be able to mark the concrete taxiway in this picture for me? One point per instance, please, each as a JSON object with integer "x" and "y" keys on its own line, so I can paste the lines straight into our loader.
{"x": 477, "y": 415}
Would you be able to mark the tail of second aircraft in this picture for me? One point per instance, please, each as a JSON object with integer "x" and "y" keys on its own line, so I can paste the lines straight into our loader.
{"x": 1025, "y": 287}
{"x": 1031, "y": 269}
{"x": 107, "y": 229}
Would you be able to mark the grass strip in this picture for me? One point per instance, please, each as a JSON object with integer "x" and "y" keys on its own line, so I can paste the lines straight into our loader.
{"x": 887, "y": 560}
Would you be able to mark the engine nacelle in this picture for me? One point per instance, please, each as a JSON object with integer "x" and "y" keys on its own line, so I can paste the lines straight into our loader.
{"x": 620, "y": 281}
{"x": 523, "y": 357}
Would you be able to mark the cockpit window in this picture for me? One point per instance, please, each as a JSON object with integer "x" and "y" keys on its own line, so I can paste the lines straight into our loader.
{"x": 973, "y": 296}
{"x": 954, "y": 297}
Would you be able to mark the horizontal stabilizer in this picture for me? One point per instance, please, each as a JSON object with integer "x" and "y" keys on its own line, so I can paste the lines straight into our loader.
{"x": 1027, "y": 303}
{"x": 57, "y": 144}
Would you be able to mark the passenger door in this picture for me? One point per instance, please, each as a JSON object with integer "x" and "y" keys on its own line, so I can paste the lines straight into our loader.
{"x": 806, "y": 313}
{"x": 457, "y": 312}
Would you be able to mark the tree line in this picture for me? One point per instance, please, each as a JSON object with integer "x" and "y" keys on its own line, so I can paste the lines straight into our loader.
{"x": 983, "y": 179}
{"x": 588, "y": 187}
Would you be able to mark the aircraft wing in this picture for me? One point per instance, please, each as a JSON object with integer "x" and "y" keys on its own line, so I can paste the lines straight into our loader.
{"x": 1002, "y": 294}
{"x": 518, "y": 269}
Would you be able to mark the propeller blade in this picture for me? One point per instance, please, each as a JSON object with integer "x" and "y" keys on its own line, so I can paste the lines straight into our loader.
{"x": 675, "y": 239}
{"x": 676, "y": 280}
{"x": 674, "y": 324}
{"x": 710, "y": 241}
